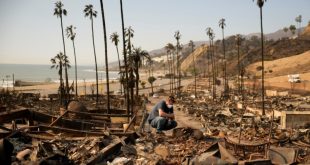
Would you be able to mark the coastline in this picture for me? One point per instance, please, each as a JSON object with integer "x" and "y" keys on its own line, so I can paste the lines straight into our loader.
{"x": 45, "y": 88}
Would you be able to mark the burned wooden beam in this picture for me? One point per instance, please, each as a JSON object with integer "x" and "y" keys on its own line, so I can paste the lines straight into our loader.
{"x": 73, "y": 124}
{"x": 56, "y": 138}
{"x": 58, "y": 118}
{"x": 112, "y": 111}
{"x": 99, "y": 114}
{"x": 101, "y": 118}
{"x": 71, "y": 131}
{"x": 130, "y": 123}
{"x": 13, "y": 114}
{"x": 122, "y": 133}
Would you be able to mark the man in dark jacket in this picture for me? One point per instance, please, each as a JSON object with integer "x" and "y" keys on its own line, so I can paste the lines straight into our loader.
{"x": 162, "y": 117}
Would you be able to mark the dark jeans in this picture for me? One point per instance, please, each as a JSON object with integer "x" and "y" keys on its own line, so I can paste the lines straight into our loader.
{"x": 161, "y": 123}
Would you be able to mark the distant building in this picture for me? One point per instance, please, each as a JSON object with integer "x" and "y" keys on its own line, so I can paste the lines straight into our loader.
{"x": 162, "y": 58}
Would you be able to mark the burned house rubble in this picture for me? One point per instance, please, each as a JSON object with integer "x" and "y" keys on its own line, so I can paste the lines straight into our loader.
{"x": 232, "y": 131}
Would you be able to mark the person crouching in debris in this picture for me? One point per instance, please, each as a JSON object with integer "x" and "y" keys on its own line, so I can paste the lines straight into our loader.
{"x": 162, "y": 117}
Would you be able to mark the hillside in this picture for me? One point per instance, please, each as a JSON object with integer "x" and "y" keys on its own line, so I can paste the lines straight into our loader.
{"x": 161, "y": 51}
{"x": 276, "y": 35}
{"x": 277, "y": 71}
{"x": 306, "y": 33}
{"x": 250, "y": 50}
{"x": 278, "y": 45}
{"x": 295, "y": 64}
{"x": 197, "y": 54}
{"x": 276, "y": 50}
{"x": 270, "y": 36}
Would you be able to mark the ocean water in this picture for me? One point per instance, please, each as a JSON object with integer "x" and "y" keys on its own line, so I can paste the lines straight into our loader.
{"x": 44, "y": 73}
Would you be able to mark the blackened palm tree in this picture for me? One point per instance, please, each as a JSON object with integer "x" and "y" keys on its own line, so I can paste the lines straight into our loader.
{"x": 125, "y": 58}
{"x": 136, "y": 58}
{"x": 106, "y": 56}
{"x": 292, "y": 29}
{"x": 177, "y": 36}
{"x": 298, "y": 19}
{"x": 168, "y": 64}
{"x": 115, "y": 39}
{"x": 129, "y": 34}
{"x": 170, "y": 49}
{"x": 285, "y": 29}
{"x": 58, "y": 62}
{"x": 151, "y": 81}
{"x": 222, "y": 26}
{"x": 59, "y": 12}
{"x": 211, "y": 35}
{"x": 150, "y": 63}
{"x": 239, "y": 39}
{"x": 192, "y": 45}
{"x": 71, "y": 34}
{"x": 173, "y": 66}
{"x": 91, "y": 13}
{"x": 260, "y": 4}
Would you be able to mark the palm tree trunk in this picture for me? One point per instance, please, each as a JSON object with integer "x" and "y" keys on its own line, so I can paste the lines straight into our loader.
{"x": 224, "y": 76}
{"x": 137, "y": 80}
{"x": 238, "y": 78}
{"x": 119, "y": 66}
{"x": 92, "y": 29}
{"x": 169, "y": 73}
{"x": 170, "y": 66}
{"x": 242, "y": 83}
{"x": 173, "y": 77}
{"x": 76, "y": 89}
{"x": 125, "y": 58}
{"x": 213, "y": 69}
{"x": 131, "y": 91}
{"x": 195, "y": 74}
{"x": 263, "y": 69}
{"x": 131, "y": 77}
{"x": 61, "y": 84}
{"x": 208, "y": 68}
{"x": 178, "y": 69}
{"x": 106, "y": 57}
{"x": 66, "y": 72}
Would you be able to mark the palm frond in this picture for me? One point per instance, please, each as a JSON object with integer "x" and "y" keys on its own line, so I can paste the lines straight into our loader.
{"x": 64, "y": 11}
{"x": 94, "y": 13}
{"x": 56, "y": 12}
{"x": 222, "y": 23}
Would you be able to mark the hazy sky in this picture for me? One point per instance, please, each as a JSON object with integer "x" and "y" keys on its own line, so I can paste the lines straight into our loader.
{"x": 31, "y": 34}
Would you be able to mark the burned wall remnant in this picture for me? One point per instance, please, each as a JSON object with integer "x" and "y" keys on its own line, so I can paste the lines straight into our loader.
{"x": 294, "y": 119}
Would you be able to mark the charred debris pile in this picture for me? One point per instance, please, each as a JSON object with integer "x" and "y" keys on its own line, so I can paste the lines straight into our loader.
{"x": 36, "y": 131}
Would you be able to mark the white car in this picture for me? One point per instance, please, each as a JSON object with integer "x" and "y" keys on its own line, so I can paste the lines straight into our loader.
{"x": 155, "y": 95}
